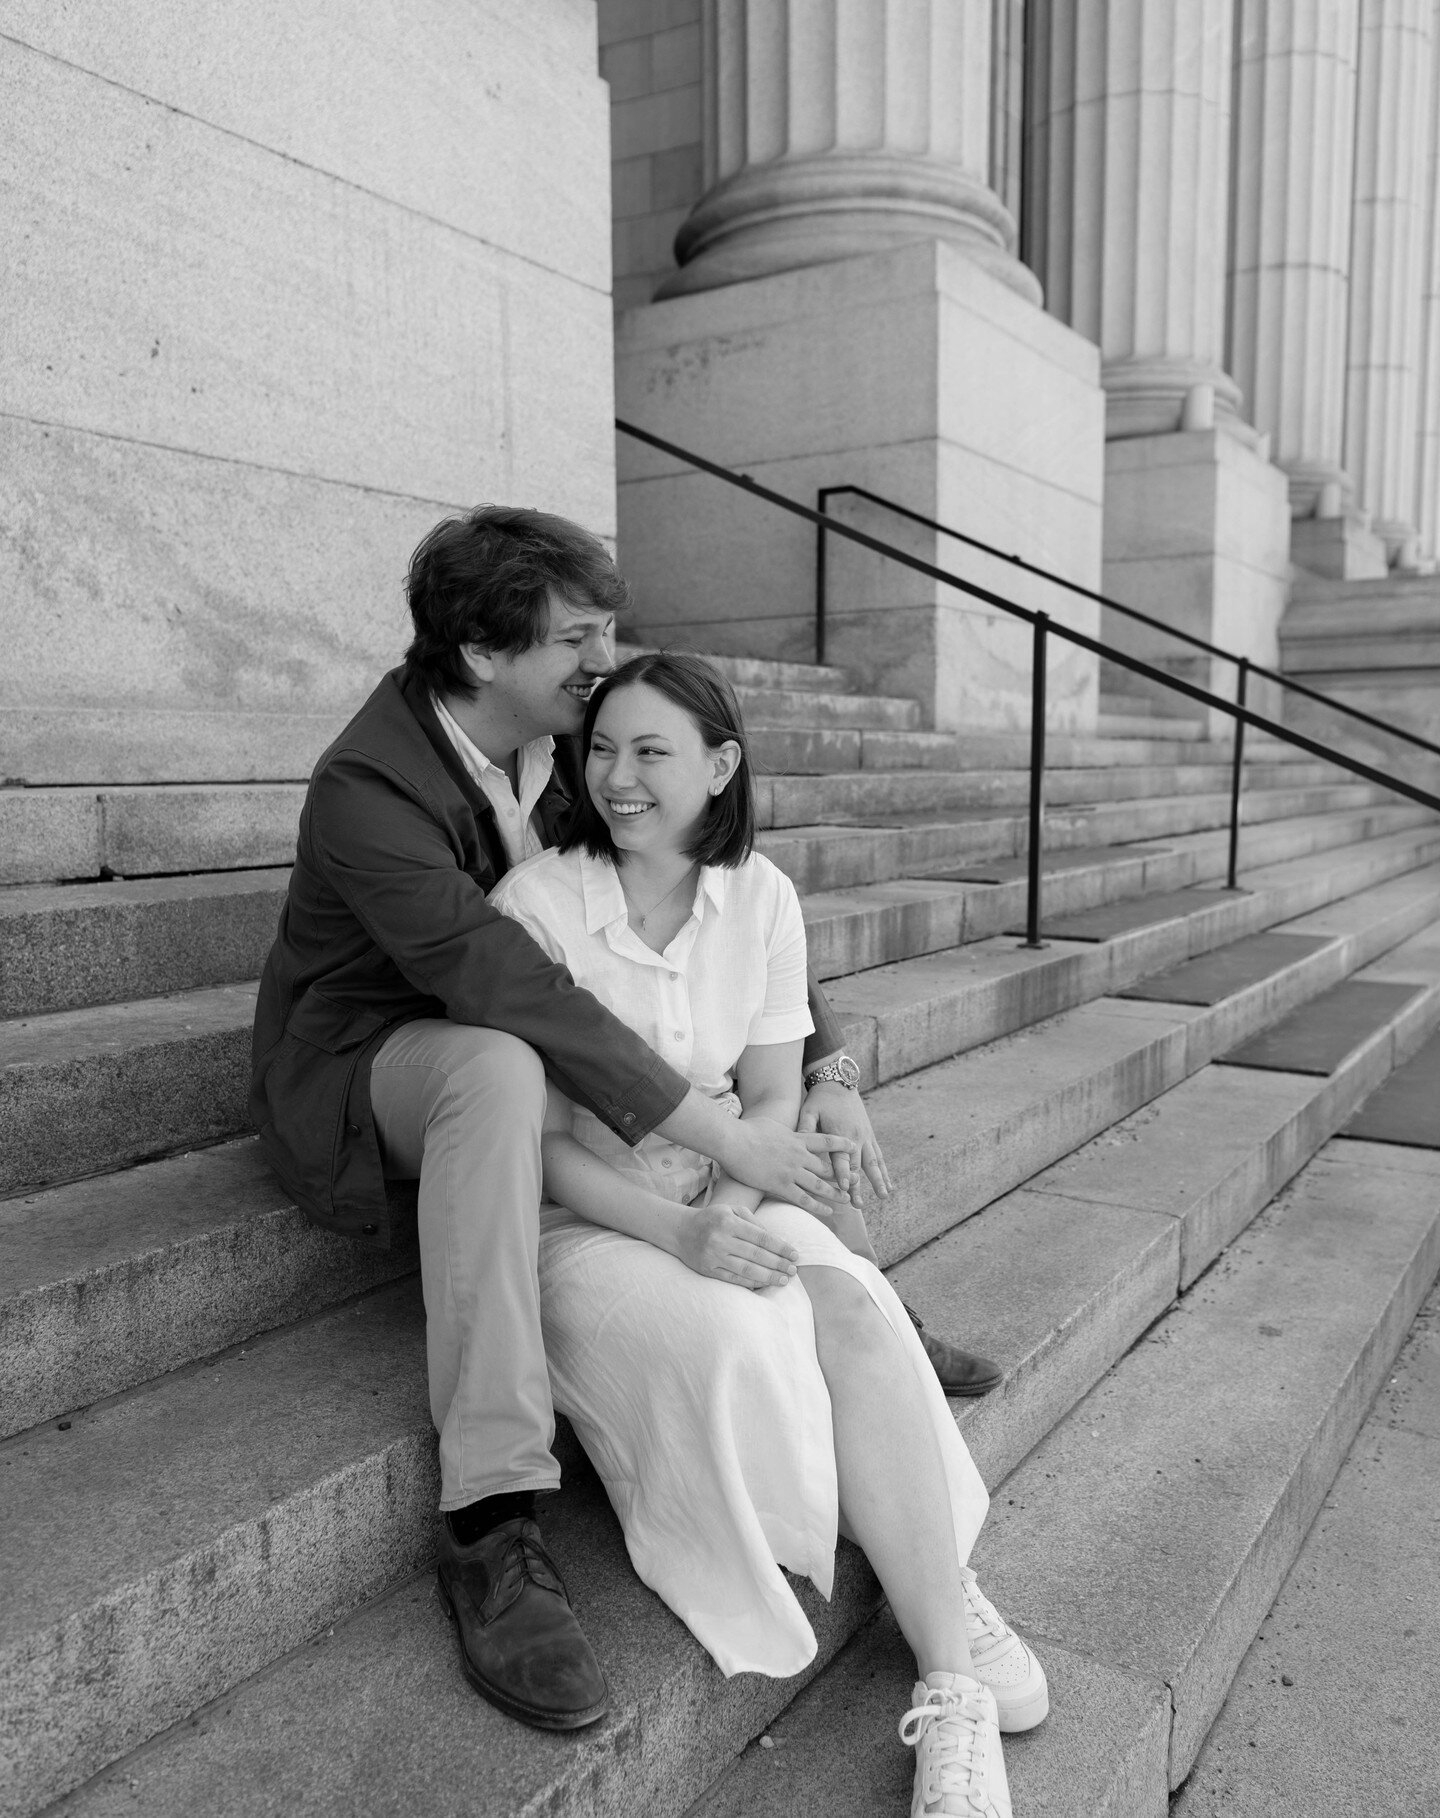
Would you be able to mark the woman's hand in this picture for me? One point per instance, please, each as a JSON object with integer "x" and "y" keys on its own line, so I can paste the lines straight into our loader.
{"x": 725, "y": 1243}
{"x": 797, "y": 1168}
{"x": 838, "y": 1111}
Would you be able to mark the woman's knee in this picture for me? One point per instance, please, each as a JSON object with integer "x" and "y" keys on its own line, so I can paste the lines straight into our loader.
{"x": 846, "y": 1317}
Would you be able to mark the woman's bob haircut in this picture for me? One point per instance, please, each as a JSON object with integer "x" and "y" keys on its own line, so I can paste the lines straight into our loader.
{"x": 727, "y": 833}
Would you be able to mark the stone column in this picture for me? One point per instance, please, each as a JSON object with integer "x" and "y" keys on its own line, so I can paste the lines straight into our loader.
{"x": 1294, "y": 147}
{"x": 841, "y": 127}
{"x": 1130, "y": 103}
{"x": 850, "y": 311}
{"x": 1127, "y": 229}
{"x": 1427, "y": 486}
{"x": 1387, "y": 248}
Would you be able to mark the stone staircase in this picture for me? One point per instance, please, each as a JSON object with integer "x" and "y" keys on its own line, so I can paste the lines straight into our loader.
{"x": 218, "y": 1479}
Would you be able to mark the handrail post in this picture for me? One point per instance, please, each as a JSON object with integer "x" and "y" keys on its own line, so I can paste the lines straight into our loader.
{"x": 1037, "y": 780}
{"x": 1242, "y": 677}
{"x": 821, "y": 505}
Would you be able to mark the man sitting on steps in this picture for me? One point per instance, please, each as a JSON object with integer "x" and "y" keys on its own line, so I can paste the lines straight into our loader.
{"x": 404, "y": 1028}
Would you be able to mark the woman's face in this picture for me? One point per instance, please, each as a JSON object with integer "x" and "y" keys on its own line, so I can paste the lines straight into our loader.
{"x": 649, "y": 773}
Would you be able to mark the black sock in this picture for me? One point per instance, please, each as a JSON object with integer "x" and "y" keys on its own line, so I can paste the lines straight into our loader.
{"x": 476, "y": 1519}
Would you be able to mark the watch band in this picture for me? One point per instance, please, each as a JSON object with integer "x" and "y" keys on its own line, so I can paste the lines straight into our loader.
{"x": 844, "y": 1070}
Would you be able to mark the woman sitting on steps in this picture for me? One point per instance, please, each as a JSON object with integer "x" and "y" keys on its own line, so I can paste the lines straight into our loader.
{"x": 744, "y": 1384}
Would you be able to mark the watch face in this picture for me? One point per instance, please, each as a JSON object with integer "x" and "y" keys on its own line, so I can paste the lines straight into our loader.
{"x": 849, "y": 1070}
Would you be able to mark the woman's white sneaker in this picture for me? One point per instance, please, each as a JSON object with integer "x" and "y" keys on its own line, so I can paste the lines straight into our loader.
{"x": 1003, "y": 1662}
{"x": 958, "y": 1765}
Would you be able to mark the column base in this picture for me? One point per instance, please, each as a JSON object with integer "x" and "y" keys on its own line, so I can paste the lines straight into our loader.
{"x": 1197, "y": 533}
{"x": 915, "y": 374}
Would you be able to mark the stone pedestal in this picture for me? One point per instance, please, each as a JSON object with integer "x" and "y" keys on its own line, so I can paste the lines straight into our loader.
{"x": 914, "y": 373}
{"x": 1197, "y": 531}
{"x": 1342, "y": 548}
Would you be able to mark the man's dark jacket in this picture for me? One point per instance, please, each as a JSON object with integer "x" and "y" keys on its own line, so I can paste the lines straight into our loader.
{"x": 386, "y": 921}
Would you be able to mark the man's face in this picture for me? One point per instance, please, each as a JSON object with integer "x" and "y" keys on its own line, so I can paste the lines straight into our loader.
{"x": 544, "y": 689}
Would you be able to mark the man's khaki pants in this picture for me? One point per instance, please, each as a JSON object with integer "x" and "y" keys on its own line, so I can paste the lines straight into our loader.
{"x": 460, "y": 1108}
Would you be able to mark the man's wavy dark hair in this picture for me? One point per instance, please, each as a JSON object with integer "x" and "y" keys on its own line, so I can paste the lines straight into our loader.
{"x": 726, "y": 836}
{"x": 487, "y": 578}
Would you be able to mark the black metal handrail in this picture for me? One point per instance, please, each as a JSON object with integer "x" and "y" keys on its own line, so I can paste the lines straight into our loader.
{"x": 1043, "y": 626}
{"x": 1085, "y": 593}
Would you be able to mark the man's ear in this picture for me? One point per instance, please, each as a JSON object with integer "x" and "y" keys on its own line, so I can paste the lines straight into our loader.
{"x": 479, "y": 661}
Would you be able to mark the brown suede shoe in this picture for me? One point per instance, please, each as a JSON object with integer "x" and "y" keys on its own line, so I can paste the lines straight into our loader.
{"x": 960, "y": 1372}
{"x": 519, "y": 1641}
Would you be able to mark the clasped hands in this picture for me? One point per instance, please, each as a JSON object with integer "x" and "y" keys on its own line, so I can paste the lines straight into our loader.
{"x": 821, "y": 1166}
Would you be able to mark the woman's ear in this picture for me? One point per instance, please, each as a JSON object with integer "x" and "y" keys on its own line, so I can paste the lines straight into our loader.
{"x": 724, "y": 762}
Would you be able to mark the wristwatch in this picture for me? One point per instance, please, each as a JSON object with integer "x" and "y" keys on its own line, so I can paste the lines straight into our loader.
{"x": 844, "y": 1070}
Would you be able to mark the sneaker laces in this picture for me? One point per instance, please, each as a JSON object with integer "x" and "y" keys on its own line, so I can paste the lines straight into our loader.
{"x": 979, "y": 1607}
{"x": 953, "y": 1764}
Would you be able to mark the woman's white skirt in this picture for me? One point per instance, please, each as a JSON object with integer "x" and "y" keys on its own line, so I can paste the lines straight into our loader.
{"x": 704, "y": 1410}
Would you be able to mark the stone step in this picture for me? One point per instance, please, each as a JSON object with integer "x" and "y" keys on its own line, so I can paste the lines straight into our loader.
{"x": 813, "y": 708}
{"x": 803, "y": 751}
{"x": 1372, "y": 1550}
{"x": 1147, "y": 725}
{"x": 87, "y": 832}
{"x": 115, "y": 1278}
{"x": 88, "y": 1090}
{"x": 1141, "y": 1542}
{"x": 837, "y": 855}
{"x": 800, "y": 801}
{"x": 306, "y": 1468}
{"x": 66, "y": 946}
{"x": 760, "y": 672}
{"x": 63, "y": 946}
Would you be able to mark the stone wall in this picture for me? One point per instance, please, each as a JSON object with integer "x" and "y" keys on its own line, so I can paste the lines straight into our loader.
{"x": 284, "y": 285}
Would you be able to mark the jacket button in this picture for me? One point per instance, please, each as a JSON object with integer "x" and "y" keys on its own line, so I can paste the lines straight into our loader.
{"x": 352, "y": 1129}
{"x": 367, "y": 1230}
{"x": 629, "y": 1117}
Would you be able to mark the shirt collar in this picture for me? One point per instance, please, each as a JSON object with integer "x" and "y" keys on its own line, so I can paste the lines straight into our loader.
{"x": 605, "y": 900}
{"x": 475, "y": 758}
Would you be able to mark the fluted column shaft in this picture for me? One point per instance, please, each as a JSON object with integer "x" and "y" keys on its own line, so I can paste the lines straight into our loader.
{"x": 1130, "y": 164}
{"x": 1387, "y": 242}
{"x": 1427, "y": 454}
{"x": 1294, "y": 145}
{"x": 838, "y": 127}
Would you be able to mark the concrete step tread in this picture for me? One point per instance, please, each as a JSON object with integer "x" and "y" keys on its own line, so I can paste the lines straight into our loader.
{"x": 816, "y": 707}
{"x": 1148, "y": 1532}
{"x": 112, "y": 1279}
{"x": 1071, "y": 1282}
{"x": 761, "y": 672}
{"x": 65, "y": 946}
{"x": 1372, "y": 1549}
{"x": 1174, "y": 1498}
{"x": 88, "y": 1090}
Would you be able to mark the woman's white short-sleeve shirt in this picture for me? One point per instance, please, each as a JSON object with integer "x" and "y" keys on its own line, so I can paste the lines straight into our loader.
{"x": 734, "y": 975}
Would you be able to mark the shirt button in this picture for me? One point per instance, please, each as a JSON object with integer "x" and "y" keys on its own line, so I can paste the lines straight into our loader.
{"x": 674, "y": 978}
{"x": 665, "y": 1162}
{"x": 679, "y": 1035}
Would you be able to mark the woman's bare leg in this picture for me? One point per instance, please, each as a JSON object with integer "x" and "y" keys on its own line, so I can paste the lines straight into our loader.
{"x": 894, "y": 1495}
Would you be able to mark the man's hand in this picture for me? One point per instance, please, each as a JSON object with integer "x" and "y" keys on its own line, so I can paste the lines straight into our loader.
{"x": 798, "y": 1168}
{"x": 837, "y": 1111}
{"x": 725, "y": 1242}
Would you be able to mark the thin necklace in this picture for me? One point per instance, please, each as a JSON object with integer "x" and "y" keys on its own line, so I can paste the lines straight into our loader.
{"x": 645, "y": 914}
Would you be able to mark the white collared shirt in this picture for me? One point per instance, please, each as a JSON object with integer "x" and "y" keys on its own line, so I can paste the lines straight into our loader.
{"x": 519, "y": 835}
{"x": 733, "y": 976}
